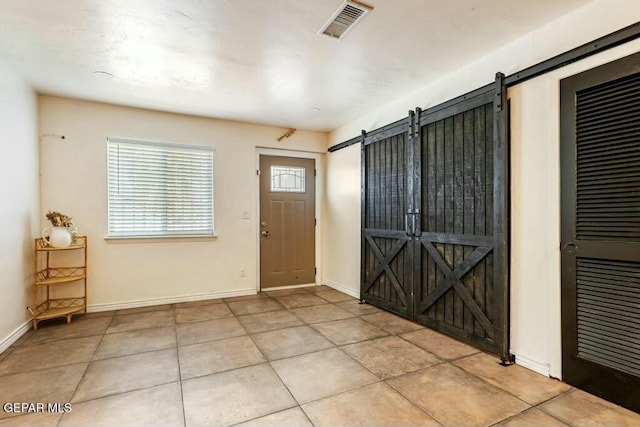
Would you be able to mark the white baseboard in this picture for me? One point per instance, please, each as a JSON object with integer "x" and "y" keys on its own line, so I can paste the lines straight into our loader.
{"x": 15, "y": 335}
{"x": 341, "y": 288}
{"x": 93, "y": 308}
{"x": 534, "y": 365}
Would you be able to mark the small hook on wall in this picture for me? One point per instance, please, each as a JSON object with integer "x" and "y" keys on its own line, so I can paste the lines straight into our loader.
{"x": 53, "y": 135}
{"x": 287, "y": 134}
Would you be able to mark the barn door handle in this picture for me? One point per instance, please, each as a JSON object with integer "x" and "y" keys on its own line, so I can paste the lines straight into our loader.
{"x": 408, "y": 225}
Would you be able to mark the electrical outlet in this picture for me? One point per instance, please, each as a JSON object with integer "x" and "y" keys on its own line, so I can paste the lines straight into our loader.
{"x": 243, "y": 272}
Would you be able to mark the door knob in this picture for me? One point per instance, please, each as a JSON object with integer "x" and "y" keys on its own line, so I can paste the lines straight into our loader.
{"x": 265, "y": 233}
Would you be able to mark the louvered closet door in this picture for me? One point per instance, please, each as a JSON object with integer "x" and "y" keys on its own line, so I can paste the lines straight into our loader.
{"x": 600, "y": 158}
{"x": 387, "y": 257}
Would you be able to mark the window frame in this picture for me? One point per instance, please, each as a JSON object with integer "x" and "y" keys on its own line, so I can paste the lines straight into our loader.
{"x": 302, "y": 189}
{"x": 160, "y": 144}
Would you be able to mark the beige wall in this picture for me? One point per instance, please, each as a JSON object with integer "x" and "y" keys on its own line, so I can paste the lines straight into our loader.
{"x": 535, "y": 274}
{"x": 341, "y": 225}
{"x": 128, "y": 273}
{"x": 19, "y": 209}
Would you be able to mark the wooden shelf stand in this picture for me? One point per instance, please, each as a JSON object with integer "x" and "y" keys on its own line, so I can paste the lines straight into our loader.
{"x": 47, "y": 275}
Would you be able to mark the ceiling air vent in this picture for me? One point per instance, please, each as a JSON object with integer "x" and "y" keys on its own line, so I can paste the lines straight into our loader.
{"x": 344, "y": 19}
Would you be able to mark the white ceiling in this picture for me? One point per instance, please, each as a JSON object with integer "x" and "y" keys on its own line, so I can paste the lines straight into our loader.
{"x": 258, "y": 61}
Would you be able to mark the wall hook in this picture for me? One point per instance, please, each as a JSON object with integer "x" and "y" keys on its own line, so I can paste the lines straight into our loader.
{"x": 287, "y": 134}
{"x": 55, "y": 135}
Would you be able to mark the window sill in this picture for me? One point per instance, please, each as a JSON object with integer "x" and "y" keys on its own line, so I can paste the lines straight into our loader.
{"x": 159, "y": 239}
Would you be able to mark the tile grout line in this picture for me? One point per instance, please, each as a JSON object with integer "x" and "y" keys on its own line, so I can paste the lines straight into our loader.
{"x": 223, "y": 339}
{"x": 501, "y": 388}
{"x": 440, "y": 361}
{"x": 509, "y": 418}
{"x": 491, "y": 385}
{"x": 28, "y": 342}
{"x": 125, "y": 315}
{"x": 273, "y": 413}
{"x": 342, "y": 392}
{"x": 226, "y": 370}
{"x": 137, "y": 352}
{"x": 138, "y": 329}
{"x": 384, "y": 381}
{"x": 571, "y": 389}
{"x": 84, "y": 373}
{"x": 354, "y": 342}
{"x": 450, "y": 361}
{"x": 123, "y": 392}
{"x": 380, "y": 380}
{"x": 267, "y": 362}
{"x": 422, "y": 348}
{"x": 175, "y": 330}
{"x": 414, "y": 403}
{"x": 7, "y": 352}
{"x": 545, "y": 411}
{"x": 306, "y": 415}
{"x": 325, "y": 321}
{"x": 38, "y": 369}
{"x": 99, "y": 360}
{"x": 278, "y": 329}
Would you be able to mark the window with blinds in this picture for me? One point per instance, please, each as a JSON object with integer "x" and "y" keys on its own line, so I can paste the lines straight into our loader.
{"x": 159, "y": 189}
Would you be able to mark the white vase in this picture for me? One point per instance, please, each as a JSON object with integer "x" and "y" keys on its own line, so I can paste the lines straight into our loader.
{"x": 58, "y": 237}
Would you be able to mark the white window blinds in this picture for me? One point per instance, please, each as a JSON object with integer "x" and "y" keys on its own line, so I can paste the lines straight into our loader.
{"x": 159, "y": 189}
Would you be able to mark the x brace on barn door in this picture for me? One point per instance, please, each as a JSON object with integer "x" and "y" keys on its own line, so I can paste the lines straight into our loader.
{"x": 434, "y": 200}
{"x": 453, "y": 279}
{"x": 384, "y": 261}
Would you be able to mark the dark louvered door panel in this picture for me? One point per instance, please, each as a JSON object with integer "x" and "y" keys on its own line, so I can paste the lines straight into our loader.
{"x": 600, "y": 155}
{"x": 386, "y": 253}
{"x": 608, "y": 161}
{"x": 608, "y": 311}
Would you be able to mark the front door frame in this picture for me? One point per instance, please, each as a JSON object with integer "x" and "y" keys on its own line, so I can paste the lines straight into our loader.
{"x": 318, "y": 157}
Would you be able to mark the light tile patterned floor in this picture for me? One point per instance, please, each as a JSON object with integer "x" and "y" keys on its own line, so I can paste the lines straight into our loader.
{"x": 298, "y": 357}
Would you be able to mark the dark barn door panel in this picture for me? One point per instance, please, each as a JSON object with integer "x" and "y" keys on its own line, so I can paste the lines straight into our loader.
{"x": 434, "y": 203}
{"x": 461, "y": 277}
{"x": 600, "y": 232}
{"x": 462, "y": 286}
{"x": 387, "y": 253}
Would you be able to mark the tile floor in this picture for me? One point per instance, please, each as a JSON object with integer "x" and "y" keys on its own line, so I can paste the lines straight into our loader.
{"x": 297, "y": 357}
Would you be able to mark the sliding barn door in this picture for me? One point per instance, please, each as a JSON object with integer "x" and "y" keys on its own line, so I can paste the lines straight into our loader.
{"x": 434, "y": 204}
{"x": 461, "y": 194}
{"x": 387, "y": 252}
{"x": 600, "y": 231}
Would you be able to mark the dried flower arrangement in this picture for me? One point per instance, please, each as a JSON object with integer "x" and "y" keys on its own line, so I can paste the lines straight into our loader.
{"x": 58, "y": 219}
